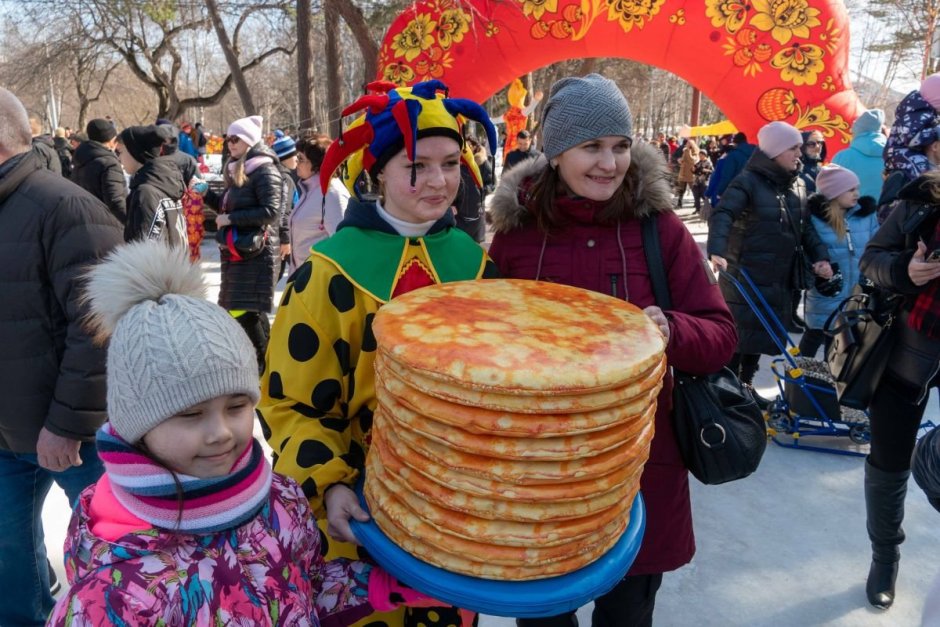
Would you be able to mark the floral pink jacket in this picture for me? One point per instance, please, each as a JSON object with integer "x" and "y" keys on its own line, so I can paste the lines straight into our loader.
{"x": 266, "y": 572}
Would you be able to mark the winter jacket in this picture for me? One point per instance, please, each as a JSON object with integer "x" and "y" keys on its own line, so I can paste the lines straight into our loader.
{"x": 862, "y": 222}
{"x": 155, "y": 204}
{"x": 757, "y": 226}
{"x": 97, "y": 169}
{"x": 317, "y": 404}
{"x": 469, "y": 204}
{"x": 864, "y": 157}
{"x": 589, "y": 255}
{"x": 268, "y": 571}
{"x": 915, "y": 121}
{"x": 64, "y": 151}
{"x": 289, "y": 198}
{"x": 52, "y": 374}
{"x": 516, "y": 156}
{"x": 811, "y": 165}
{"x": 305, "y": 219}
{"x": 727, "y": 168}
{"x": 248, "y": 284}
{"x": 915, "y": 358}
{"x": 185, "y": 145}
{"x": 45, "y": 148}
{"x": 701, "y": 173}
{"x": 687, "y": 164}
{"x": 188, "y": 167}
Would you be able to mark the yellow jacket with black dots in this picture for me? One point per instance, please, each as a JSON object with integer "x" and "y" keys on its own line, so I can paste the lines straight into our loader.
{"x": 318, "y": 388}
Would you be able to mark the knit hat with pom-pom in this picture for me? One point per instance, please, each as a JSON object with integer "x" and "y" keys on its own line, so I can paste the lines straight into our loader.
{"x": 169, "y": 347}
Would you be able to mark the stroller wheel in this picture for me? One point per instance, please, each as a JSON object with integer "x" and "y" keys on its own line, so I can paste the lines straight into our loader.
{"x": 780, "y": 421}
{"x": 860, "y": 434}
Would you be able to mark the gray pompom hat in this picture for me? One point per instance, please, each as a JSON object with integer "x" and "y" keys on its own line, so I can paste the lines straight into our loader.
{"x": 169, "y": 348}
{"x": 583, "y": 108}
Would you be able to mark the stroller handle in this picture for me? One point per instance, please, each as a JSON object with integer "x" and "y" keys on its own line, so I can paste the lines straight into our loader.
{"x": 762, "y": 310}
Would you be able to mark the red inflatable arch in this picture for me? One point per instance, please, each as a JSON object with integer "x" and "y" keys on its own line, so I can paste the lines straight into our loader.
{"x": 758, "y": 60}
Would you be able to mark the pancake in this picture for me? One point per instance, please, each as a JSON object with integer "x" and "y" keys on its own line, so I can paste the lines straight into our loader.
{"x": 480, "y": 486}
{"x": 504, "y": 423}
{"x": 409, "y": 541}
{"x": 538, "y": 404}
{"x": 558, "y": 448}
{"x": 501, "y": 532}
{"x": 530, "y": 472}
{"x": 510, "y": 336}
{"x": 485, "y": 551}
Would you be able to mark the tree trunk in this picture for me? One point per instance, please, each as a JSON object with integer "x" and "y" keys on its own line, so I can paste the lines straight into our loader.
{"x": 334, "y": 86}
{"x": 304, "y": 63}
{"x": 353, "y": 17}
{"x": 231, "y": 58}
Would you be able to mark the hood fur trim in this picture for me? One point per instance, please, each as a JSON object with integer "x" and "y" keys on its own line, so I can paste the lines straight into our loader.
{"x": 647, "y": 169}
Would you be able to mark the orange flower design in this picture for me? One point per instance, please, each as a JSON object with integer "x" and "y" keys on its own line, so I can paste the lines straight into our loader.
{"x": 398, "y": 73}
{"x": 745, "y": 53}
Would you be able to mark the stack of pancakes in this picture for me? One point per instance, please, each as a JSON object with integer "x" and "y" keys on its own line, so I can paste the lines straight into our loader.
{"x": 513, "y": 422}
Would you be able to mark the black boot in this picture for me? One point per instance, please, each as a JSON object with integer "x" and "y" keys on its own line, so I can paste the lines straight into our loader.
{"x": 884, "y": 504}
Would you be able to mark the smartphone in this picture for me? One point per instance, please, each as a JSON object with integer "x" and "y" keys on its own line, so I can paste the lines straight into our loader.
{"x": 934, "y": 255}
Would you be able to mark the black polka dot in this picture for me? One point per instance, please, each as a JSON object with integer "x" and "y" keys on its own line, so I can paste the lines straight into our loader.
{"x": 302, "y": 342}
{"x": 363, "y": 554}
{"x": 341, "y": 293}
{"x": 326, "y": 393}
{"x": 302, "y": 276}
{"x": 284, "y": 443}
{"x": 351, "y": 385}
{"x": 376, "y": 623}
{"x": 274, "y": 458}
{"x": 365, "y": 419}
{"x": 275, "y": 385}
{"x": 368, "y": 338}
{"x": 324, "y": 543}
{"x": 265, "y": 429}
{"x": 356, "y": 457}
{"x": 341, "y": 347}
{"x": 335, "y": 424}
{"x": 311, "y": 453}
{"x": 309, "y": 487}
{"x": 307, "y": 410}
{"x": 285, "y": 298}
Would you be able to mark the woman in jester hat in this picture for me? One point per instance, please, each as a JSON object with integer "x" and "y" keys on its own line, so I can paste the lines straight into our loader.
{"x": 318, "y": 390}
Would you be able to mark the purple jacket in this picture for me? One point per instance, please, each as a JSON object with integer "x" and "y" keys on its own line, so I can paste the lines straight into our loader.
{"x": 267, "y": 572}
{"x": 586, "y": 254}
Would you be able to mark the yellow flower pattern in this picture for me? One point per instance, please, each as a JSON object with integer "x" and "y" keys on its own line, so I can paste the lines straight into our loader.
{"x": 452, "y": 26}
{"x": 799, "y": 64}
{"x": 785, "y": 19}
{"x": 632, "y": 13}
{"x": 730, "y": 14}
{"x": 416, "y": 37}
{"x": 537, "y": 8}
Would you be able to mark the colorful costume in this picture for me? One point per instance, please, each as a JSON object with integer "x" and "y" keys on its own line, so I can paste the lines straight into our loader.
{"x": 318, "y": 389}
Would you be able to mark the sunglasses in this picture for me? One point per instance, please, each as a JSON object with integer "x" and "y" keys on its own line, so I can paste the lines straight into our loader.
{"x": 234, "y": 139}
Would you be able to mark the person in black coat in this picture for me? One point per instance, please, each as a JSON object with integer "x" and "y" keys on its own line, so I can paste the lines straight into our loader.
{"x": 96, "y": 168}
{"x": 44, "y": 147}
{"x": 898, "y": 259}
{"x": 251, "y": 202}
{"x": 52, "y": 375}
{"x": 761, "y": 225}
{"x": 155, "y": 203}
{"x": 64, "y": 151}
{"x": 812, "y": 154}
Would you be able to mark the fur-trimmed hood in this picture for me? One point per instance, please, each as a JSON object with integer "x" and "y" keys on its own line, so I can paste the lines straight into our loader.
{"x": 817, "y": 205}
{"x": 647, "y": 170}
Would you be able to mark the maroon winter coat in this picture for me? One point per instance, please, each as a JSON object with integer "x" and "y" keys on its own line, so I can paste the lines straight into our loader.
{"x": 585, "y": 254}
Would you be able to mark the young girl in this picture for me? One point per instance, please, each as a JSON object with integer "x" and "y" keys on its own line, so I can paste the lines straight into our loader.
{"x": 574, "y": 216}
{"x": 188, "y": 525}
{"x": 318, "y": 390}
{"x": 844, "y": 223}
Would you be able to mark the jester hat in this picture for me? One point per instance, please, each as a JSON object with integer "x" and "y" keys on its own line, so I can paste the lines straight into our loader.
{"x": 396, "y": 118}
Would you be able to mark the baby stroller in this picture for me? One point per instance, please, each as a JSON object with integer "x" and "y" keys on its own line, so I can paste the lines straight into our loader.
{"x": 807, "y": 405}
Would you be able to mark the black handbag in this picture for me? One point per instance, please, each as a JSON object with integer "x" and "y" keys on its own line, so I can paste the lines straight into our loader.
{"x": 860, "y": 329}
{"x": 719, "y": 428}
{"x": 242, "y": 243}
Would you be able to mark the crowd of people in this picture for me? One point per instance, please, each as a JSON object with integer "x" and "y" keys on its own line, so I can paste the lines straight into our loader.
{"x": 128, "y": 389}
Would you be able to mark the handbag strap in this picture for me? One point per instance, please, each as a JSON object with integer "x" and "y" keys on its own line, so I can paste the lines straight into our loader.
{"x": 654, "y": 263}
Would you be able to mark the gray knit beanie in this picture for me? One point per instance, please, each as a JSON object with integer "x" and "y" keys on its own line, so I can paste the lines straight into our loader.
{"x": 169, "y": 347}
{"x": 583, "y": 108}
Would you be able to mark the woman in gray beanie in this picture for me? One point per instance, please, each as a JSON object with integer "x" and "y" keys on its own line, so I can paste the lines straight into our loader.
{"x": 762, "y": 226}
{"x": 574, "y": 216}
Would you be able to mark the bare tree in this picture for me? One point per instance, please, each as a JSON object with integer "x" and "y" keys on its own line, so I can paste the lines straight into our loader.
{"x": 304, "y": 63}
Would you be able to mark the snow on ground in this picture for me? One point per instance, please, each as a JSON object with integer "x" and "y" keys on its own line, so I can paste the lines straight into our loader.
{"x": 784, "y": 547}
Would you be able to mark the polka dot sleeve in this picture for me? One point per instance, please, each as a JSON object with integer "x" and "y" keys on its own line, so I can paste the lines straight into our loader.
{"x": 317, "y": 392}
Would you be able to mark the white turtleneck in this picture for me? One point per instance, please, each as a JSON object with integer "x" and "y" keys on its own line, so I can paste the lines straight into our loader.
{"x": 405, "y": 229}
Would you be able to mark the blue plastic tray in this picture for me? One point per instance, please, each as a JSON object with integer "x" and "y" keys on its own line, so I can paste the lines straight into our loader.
{"x": 517, "y": 599}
